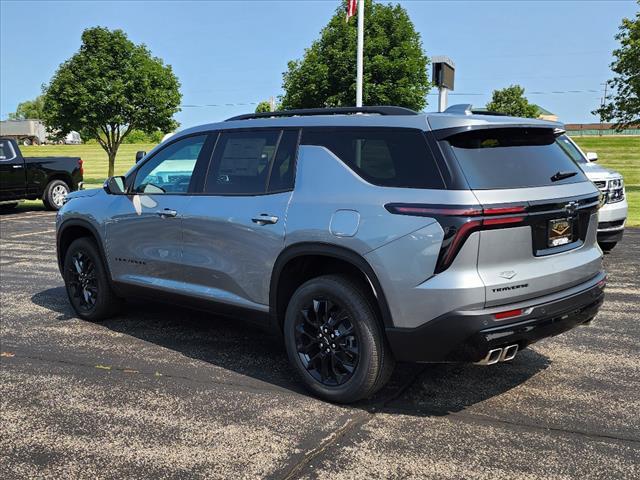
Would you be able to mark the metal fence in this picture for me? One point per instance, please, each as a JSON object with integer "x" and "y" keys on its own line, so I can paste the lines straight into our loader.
{"x": 599, "y": 133}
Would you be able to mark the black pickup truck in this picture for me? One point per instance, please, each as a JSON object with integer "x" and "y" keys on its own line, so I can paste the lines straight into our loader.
{"x": 48, "y": 178}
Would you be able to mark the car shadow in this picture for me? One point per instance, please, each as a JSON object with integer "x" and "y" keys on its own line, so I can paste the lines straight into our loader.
{"x": 232, "y": 344}
{"x": 8, "y": 212}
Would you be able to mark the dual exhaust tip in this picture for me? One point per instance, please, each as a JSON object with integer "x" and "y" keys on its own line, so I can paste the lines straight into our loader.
{"x": 496, "y": 355}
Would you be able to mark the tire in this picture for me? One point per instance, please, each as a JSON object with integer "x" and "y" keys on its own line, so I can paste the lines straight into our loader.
{"x": 54, "y": 194}
{"x": 87, "y": 283}
{"x": 355, "y": 360}
{"x": 607, "y": 246}
{"x": 26, "y": 142}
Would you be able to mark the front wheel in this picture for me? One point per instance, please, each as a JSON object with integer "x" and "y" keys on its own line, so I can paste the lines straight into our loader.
{"x": 54, "y": 194}
{"x": 86, "y": 280}
{"x": 334, "y": 340}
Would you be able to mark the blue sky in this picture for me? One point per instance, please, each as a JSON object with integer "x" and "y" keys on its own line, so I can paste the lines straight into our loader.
{"x": 234, "y": 52}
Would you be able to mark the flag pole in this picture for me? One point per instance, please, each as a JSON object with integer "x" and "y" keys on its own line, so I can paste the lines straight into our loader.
{"x": 359, "y": 68}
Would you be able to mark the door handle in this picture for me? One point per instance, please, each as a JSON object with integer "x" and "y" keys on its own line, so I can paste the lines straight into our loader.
{"x": 167, "y": 212}
{"x": 264, "y": 219}
{"x": 17, "y": 166}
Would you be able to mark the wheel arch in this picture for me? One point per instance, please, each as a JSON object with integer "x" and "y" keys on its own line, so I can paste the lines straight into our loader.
{"x": 326, "y": 258}
{"x": 73, "y": 229}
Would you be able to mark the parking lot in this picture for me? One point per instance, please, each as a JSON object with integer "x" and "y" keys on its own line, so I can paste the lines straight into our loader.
{"x": 167, "y": 392}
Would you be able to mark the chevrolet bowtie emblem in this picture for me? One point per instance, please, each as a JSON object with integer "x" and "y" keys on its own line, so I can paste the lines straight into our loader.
{"x": 561, "y": 228}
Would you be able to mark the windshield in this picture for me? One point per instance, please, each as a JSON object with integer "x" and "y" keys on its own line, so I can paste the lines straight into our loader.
{"x": 514, "y": 158}
{"x": 569, "y": 147}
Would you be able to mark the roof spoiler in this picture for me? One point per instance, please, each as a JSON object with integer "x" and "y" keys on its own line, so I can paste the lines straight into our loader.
{"x": 467, "y": 109}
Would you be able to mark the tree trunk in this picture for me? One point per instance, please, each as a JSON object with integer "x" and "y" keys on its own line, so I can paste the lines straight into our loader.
{"x": 112, "y": 161}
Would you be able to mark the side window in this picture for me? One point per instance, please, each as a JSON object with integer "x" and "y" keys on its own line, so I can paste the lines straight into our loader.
{"x": 241, "y": 162}
{"x": 389, "y": 157}
{"x": 6, "y": 151}
{"x": 283, "y": 170}
{"x": 170, "y": 170}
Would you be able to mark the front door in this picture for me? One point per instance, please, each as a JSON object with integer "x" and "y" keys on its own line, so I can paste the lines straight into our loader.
{"x": 234, "y": 231}
{"x": 12, "y": 172}
{"x": 144, "y": 233}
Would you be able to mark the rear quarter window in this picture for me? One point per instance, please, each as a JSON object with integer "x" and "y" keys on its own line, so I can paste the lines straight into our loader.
{"x": 513, "y": 158}
{"x": 388, "y": 157}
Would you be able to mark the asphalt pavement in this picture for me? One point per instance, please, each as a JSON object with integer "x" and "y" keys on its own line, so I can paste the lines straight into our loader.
{"x": 164, "y": 392}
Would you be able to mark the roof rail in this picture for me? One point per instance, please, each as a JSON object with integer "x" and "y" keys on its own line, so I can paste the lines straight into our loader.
{"x": 303, "y": 112}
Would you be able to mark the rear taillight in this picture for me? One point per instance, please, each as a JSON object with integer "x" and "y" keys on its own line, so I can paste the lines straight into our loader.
{"x": 80, "y": 164}
{"x": 458, "y": 222}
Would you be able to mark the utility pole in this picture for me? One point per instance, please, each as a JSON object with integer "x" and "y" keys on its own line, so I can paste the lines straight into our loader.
{"x": 360, "y": 57}
{"x": 602, "y": 105}
{"x": 272, "y": 104}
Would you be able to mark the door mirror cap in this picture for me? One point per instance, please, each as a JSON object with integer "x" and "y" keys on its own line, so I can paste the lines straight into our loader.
{"x": 140, "y": 155}
{"x": 114, "y": 185}
{"x": 592, "y": 156}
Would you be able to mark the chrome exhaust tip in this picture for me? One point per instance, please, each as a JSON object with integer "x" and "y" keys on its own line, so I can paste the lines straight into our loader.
{"x": 492, "y": 357}
{"x": 509, "y": 353}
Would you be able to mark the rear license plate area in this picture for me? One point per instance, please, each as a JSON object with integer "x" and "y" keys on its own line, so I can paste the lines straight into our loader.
{"x": 560, "y": 232}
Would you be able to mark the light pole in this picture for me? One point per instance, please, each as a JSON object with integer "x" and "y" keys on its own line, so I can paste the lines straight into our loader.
{"x": 360, "y": 55}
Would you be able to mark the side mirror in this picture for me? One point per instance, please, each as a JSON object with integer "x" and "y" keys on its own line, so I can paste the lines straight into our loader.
{"x": 140, "y": 155}
{"x": 114, "y": 185}
{"x": 592, "y": 156}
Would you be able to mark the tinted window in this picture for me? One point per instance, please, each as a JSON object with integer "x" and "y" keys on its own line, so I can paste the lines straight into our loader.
{"x": 6, "y": 151}
{"x": 283, "y": 170}
{"x": 389, "y": 157}
{"x": 512, "y": 158}
{"x": 170, "y": 170}
{"x": 241, "y": 162}
{"x": 571, "y": 150}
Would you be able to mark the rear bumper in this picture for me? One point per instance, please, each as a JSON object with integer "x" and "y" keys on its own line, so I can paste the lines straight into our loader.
{"x": 468, "y": 336}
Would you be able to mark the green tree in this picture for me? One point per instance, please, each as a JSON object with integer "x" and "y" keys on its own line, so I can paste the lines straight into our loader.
{"x": 511, "y": 101}
{"x": 263, "y": 106}
{"x": 30, "y": 109}
{"x": 624, "y": 107}
{"x": 110, "y": 88}
{"x": 395, "y": 66}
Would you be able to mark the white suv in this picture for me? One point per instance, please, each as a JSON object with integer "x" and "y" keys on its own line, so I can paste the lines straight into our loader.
{"x": 613, "y": 214}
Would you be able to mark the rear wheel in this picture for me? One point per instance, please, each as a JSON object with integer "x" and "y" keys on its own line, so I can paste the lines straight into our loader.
{"x": 334, "y": 340}
{"x": 607, "y": 246}
{"x": 86, "y": 280}
{"x": 54, "y": 194}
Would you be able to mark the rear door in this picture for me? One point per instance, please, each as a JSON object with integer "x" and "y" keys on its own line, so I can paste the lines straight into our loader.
{"x": 12, "y": 172}
{"x": 235, "y": 228}
{"x": 545, "y": 238}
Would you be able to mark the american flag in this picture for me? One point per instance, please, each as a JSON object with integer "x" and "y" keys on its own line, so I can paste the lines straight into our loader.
{"x": 352, "y": 6}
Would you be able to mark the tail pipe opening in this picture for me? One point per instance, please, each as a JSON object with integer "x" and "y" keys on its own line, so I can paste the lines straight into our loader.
{"x": 502, "y": 354}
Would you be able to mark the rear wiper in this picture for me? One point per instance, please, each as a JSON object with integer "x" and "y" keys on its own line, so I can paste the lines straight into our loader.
{"x": 562, "y": 175}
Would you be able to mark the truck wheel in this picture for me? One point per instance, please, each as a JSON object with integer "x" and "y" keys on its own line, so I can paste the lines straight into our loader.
{"x": 607, "y": 246}
{"x": 54, "y": 194}
{"x": 334, "y": 340}
{"x": 87, "y": 283}
{"x": 26, "y": 142}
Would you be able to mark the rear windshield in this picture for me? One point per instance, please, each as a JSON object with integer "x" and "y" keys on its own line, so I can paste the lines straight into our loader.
{"x": 514, "y": 158}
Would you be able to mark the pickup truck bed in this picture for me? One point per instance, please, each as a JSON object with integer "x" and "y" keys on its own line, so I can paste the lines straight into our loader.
{"x": 30, "y": 178}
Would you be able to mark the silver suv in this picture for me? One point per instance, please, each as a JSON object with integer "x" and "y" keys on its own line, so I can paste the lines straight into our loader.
{"x": 363, "y": 236}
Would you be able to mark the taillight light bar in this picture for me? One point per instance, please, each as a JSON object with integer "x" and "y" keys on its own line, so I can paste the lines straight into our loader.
{"x": 459, "y": 221}
{"x": 81, "y": 165}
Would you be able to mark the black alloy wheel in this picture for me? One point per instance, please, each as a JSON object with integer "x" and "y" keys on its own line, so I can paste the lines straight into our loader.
{"x": 327, "y": 342}
{"x": 83, "y": 283}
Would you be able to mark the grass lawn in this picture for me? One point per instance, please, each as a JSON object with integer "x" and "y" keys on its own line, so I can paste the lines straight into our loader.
{"x": 620, "y": 153}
